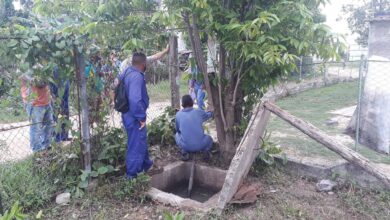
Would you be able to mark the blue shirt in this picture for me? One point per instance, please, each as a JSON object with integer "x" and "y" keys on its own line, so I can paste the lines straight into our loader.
{"x": 137, "y": 95}
{"x": 189, "y": 125}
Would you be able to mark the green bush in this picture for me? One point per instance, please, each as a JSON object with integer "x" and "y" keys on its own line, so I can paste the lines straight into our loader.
{"x": 133, "y": 189}
{"x": 162, "y": 129}
{"x": 15, "y": 212}
{"x": 23, "y": 181}
{"x": 111, "y": 149}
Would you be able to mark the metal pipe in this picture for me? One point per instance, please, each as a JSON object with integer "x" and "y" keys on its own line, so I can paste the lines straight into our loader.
{"x": 191, "y": 180}
{"x": 357, "y": 129}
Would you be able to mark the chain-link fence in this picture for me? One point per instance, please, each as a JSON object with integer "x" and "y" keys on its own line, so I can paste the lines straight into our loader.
{"x": 348, "y": 100}
{"x": 15, "y": 125}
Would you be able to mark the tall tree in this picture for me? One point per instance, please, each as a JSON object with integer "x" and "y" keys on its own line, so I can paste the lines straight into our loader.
{"x": 113, "y": 24}
{"x": 258, "y": 42}
{"x": 358, "y": 15}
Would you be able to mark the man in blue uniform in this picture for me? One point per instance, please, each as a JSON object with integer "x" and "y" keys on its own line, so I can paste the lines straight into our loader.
{"x": 190, "y": 136}
{"x": 137, "y": 157}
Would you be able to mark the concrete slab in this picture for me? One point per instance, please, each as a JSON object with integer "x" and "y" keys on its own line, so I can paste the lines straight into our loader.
{"x": 179, "y": 172}
{"x": 346, "y": 112}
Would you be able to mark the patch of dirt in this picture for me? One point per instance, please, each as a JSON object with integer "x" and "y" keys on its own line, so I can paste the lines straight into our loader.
{"x": 282, "y": 196}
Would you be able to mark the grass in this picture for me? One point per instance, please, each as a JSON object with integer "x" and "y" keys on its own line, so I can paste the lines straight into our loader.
{"x": 293, "y": 197}
{"x": 373, "y": 203}
{"x": 314, "y": 106}
{"x": 162, "y": 91}
{"x": 23, "y": 181}
{"x": 12, "y": 110}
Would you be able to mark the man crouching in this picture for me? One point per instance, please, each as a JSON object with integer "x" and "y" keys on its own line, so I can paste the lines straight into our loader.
{"x": 190, "y": 136}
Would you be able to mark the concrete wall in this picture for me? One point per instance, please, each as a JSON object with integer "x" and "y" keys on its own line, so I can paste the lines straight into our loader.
{"x": 379, "y": 38}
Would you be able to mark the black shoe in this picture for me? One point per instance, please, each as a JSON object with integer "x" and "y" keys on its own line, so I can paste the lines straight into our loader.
{"x": 207, "y": 155}
{"x": 185, "y": 156}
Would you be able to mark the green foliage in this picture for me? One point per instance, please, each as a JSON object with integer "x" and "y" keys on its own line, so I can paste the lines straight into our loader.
{"x": 162, "y": 129}
{"x": 108, "y": 157}
{"x": 111, "y": 148}
{"x": 358, "y": 16}
{"x": 133, "y": 189}
{"x": 268, "y": 149}
{"x": 16, "y": 212}
{"x": 113, "y": 24}
{"x": 27, "y": 182}
{"x": 176, "y": 216}
{"x": 262, "y": 43}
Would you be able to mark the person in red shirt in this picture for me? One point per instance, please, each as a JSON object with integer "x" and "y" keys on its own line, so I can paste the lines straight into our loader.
{"x": 36, "y": 98}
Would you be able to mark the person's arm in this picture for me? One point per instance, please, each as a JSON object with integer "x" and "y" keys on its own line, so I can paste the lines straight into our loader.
{"x": 158, "y": 55}
{"x": 125, "y": 63}
{"x": 206, "y": 115}
{"x": 177, "y": 124}
{"x": 137, "y": 105}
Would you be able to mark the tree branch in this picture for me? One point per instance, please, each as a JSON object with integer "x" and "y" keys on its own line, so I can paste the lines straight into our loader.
{"x": 237, "y": 83}
{"x": 222, "y": 56}
{"x": 193, "y": 33}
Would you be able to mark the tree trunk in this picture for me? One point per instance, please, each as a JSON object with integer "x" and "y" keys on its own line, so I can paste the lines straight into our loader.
{"x": 196, "y": 45}
{"x": 85, "y": 132}
{"x": 218, "y": 116}
{"x": 174, "y": 72}
{"x": 220, "y": 97}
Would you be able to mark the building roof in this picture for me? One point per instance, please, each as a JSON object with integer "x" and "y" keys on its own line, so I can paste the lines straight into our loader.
{"x": 381, "y": 17}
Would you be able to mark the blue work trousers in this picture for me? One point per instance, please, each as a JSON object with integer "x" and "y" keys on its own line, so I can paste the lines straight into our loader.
{"x": 137, "y": 156}
{"x": 204, "y": 145}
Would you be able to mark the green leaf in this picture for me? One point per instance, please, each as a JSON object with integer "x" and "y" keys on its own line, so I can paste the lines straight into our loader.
{"x": 102, "y": 170}
{"x": 60, "y": 45}
{"x": 39, "y": 215}
{"x": 83, "y": 184}
{"x": 12, "y": 43}
{"x": 94, "y": 174}
{"x": 35, "y": 38}
{"x": 67, "y": 59}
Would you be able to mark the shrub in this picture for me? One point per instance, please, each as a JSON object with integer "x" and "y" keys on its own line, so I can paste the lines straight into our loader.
{"x": 23, "y": 181}
{"x": 133, "y": 189}
{"x": 162, "y": 129}
{"x": 14, "y": 213}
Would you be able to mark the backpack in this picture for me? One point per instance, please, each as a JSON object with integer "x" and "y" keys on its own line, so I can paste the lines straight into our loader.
{"x": 121, "y": 103}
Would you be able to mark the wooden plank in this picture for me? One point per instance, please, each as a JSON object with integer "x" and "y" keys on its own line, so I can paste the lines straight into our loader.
{"x": 245, "y": 155}
{"x": 329, "y": 142}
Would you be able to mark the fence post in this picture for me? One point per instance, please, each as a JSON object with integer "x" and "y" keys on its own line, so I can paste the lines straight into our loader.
{"x": 174, "y": 72}
{"x": 358, "y": 107}
{"x": 1, "y": 206}
{"x": 300, "y": 68}
{"x": 85, "y": 133}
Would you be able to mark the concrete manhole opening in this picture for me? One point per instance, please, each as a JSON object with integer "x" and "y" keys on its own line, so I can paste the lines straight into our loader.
{"x": 171, "y": 186}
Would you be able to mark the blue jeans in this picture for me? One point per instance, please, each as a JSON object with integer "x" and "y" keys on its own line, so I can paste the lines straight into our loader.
{"x": 41, "y": 130}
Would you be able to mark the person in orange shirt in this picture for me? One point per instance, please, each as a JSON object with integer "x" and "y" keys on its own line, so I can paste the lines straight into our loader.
{"x": 36, "y": 98}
